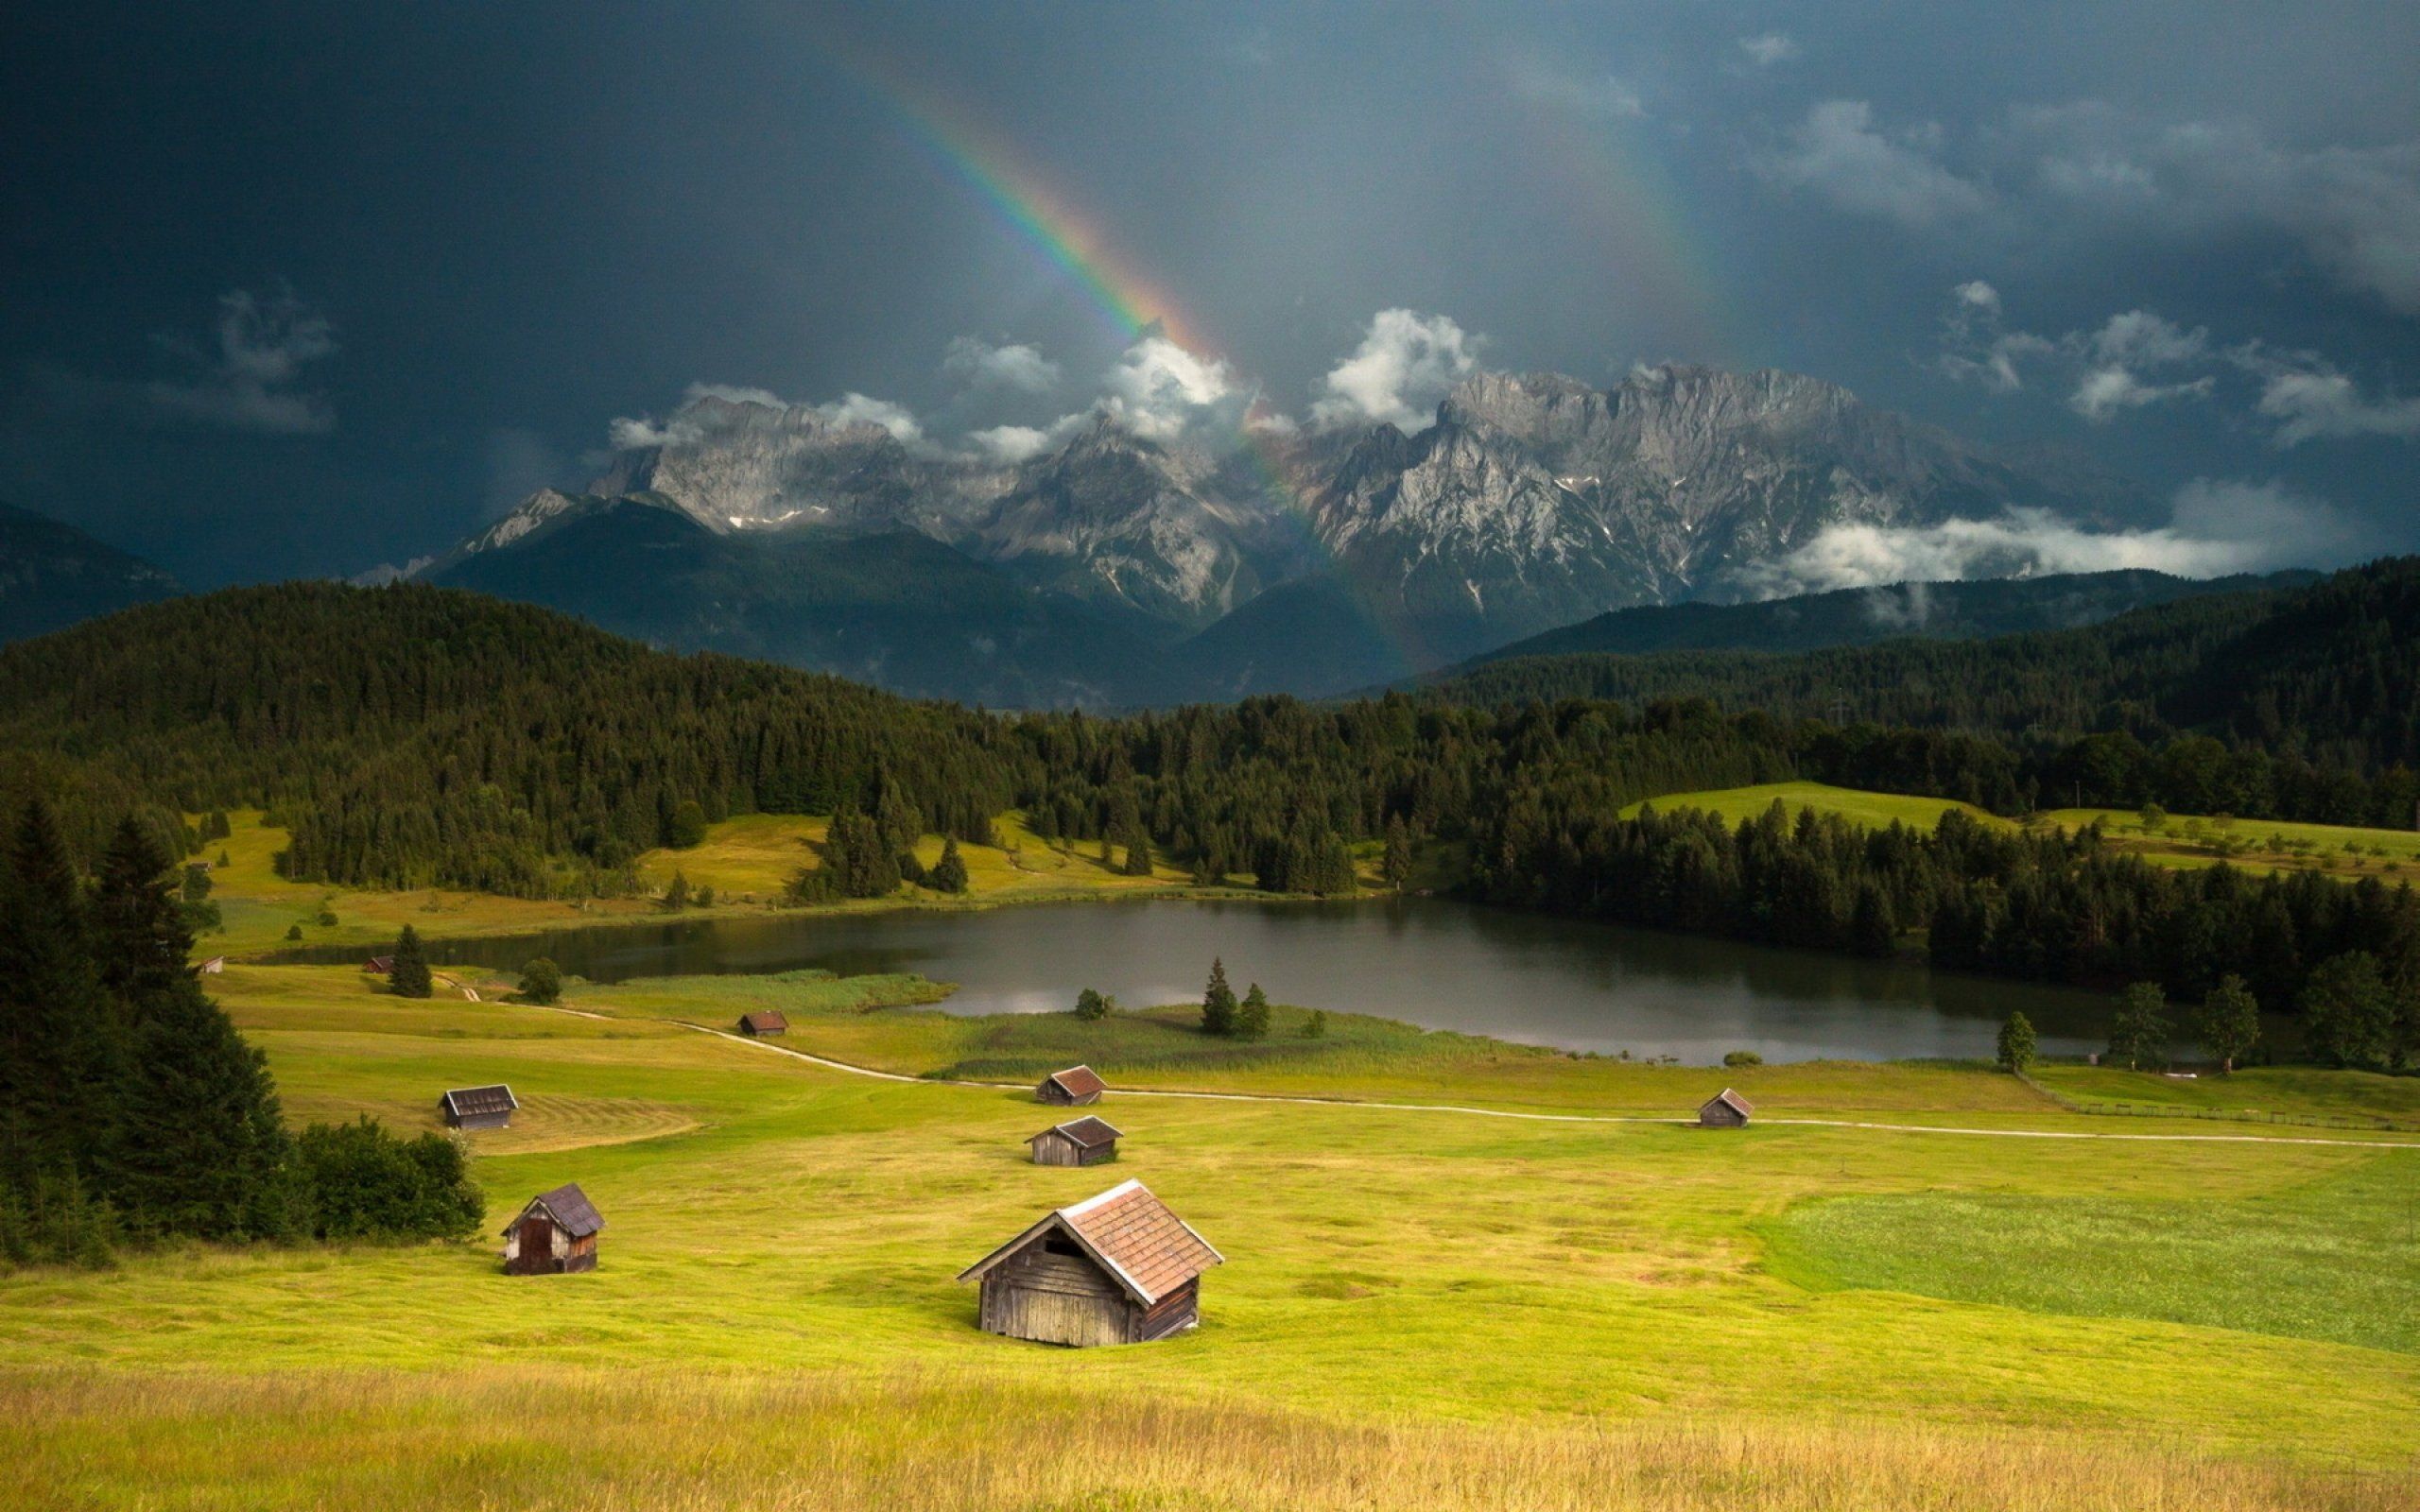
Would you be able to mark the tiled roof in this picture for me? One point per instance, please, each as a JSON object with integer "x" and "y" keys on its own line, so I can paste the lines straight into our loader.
{"x": 1144, "y": 1247}
{"x": 570, "y": 1208}
{"x": 1739, "y": 1104}
{"x": 1079, "y": 1081}
{"x": 471, "y": 1101}
{"x": 1089, "y": 1133}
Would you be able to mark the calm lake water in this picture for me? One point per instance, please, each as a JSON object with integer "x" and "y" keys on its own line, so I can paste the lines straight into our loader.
{"x": 1434, "y": 962}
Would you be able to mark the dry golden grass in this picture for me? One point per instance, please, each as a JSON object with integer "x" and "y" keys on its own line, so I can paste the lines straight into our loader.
{"x": 512, "y": 1436}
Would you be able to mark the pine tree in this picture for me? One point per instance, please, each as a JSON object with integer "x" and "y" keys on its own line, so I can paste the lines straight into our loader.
{"x": 201, "y": 1147}
{"x": 1138, "y": 852}
{"x": 2229, "y": 1023}
{"x": 2138, "y": 1031}
{"x": 1252, "y": 1019}
{"x": 2016, "y": 1045}
{"x": 1395, "y": 867}
{"x": 1219, "y": 1003}
{"x": 675, "y": 893}
{"x": 1873, "y": 929}
{"x": 1315, "y": 1027}
{"x": 60, "y": 1072}
{"x": 408, "y": 976}
{"x": 949, "y": 873}
{"x": 2348, "y": 1014}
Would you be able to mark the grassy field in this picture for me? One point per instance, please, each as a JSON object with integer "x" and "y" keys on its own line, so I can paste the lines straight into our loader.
{"x": 2181, "y": 840}
{"x": 1875, "y": 809}
{"x": 1421, "y": 1308}
{"x": 2286, "y": 1091}
{"x": 747, "y": 861}
{"x": 2258, "y": 845}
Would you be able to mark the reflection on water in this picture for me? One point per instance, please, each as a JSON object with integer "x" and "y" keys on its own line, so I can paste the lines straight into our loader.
{"x": 1435, "y": 962}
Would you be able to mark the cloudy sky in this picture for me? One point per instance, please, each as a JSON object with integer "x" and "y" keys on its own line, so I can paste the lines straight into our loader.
{"x": 295, "y": 289}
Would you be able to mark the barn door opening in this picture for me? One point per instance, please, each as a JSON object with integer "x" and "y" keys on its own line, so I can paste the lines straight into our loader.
{"x": 537, "y": 1244}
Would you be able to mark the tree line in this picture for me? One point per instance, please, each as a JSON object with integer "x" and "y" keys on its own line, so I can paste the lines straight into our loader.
{"x": 133, "y": 1112}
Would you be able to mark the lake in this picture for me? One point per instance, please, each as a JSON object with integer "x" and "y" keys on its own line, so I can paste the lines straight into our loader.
{"x": 1436, "y": 962}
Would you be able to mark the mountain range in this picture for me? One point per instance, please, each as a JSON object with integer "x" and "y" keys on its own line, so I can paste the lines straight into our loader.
{"x": 1120, "y": 568}
{"x": 53, "y": 575}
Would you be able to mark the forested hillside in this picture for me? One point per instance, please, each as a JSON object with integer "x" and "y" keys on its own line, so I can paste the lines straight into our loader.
{"x": 2329, "y": 673}
{"x": 413, "y": 736}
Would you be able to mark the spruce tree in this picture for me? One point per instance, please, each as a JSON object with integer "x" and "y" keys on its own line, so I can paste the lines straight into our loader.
{"x": 2016, "y": 1045}
{"x": 1219, "y": 1003}
{"x": 2229, "y": 1023}
{"x": 1138, "y": 851}
{"x": 1874, "y": 928}
{"x": 2348, "y": 1013}
{"x": 408, "y": 976}
{"x": 59, "y": 1081}
{"x": 201, "y": 1148}
{"x": 1252, "y": 1019}
{"x": 949, "y": 873}
{"x": 2138, "y": 1031}
{"x": 1395, "y": 867}
{"x": 675, "y": 893}
{"x": 1315, "y": 1027}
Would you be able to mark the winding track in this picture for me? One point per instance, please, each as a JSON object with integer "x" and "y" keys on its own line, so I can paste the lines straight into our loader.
{"x": 830, "y": 1064}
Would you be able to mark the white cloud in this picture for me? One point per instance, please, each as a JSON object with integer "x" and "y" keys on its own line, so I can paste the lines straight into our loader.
{"x": 2104, "y": 392}
{"x": 2217, "y": 526}
{"x": 248, "y": 384}
{"x": 1602, "y": 95}
{"x": 1016, "y": 366}
{"x": 857, "y": 409}
{"x": 1976, "y": 348}
{"x": 1405, "y": 364}
{"x": 1769, "y": 48}
{"x": 2307, "y": 398}
{"x": 2123, "y": 351}
{"x": 1159, "y": 389}
{"x": 1010, "y": 444}
{"x": 1838, "y": 152}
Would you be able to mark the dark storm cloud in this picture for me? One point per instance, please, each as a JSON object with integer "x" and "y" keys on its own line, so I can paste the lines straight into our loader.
{"x": 473, "y": 235}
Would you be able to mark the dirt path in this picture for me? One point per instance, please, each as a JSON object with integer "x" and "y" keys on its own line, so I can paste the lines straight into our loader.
{"x": 830, "y": 1064}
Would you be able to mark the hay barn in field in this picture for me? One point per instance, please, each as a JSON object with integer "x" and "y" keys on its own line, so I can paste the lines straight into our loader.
{"x": 1118, "y": 1268}
{"x": 1725, "y": 1110}
{"x": 1075, "y": 1087}
{"x": 211, "y": 967}
{"x": 379, "y": 965}
{"x": 756, "y": 1025}
{"x": 478, "y": 1107}
{"x": 1085, "y": 1141}
{"x": 555, "y": 1235}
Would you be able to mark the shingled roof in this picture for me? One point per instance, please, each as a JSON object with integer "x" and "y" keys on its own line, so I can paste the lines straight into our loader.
{"x": 1078, "y": 1081}
{"x": 1088, "y": 1133}
{"x": 471, "y": 1102}
{"x": 1148, "y": 1249}
{"x": 1737, "y": 1104}
{"x": 568, "y": 1207}
{"x": 767, "y": 1021}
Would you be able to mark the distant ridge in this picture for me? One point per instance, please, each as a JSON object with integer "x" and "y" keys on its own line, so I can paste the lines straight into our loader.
{"x": 53, "y": 576}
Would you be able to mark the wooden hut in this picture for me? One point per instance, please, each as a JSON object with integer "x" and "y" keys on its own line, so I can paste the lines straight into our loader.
{"x": 555, "y": 1235}
{"x": 379, "y": 965}
{"x": 1725, "y": 1110}
{"x": 756, "y": 1025}
{"x": 1075, "y": 1087}
{"x": 1086, "y": 1141}
{"x": 478, "y": 1107}
{"x": 1118, "y": 1268}
{"x": 212, "y": 966}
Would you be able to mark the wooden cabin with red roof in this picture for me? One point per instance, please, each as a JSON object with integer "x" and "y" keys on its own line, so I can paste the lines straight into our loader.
{"x": 1117, "y": 1268}
{"x": 1075, "y": 1087}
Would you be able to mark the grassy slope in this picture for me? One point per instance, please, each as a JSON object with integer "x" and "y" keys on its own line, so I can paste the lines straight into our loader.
{"x": 2260, "y": 845}
{"x": 1382, "y": 1263}
{"x": 746, "y": 860}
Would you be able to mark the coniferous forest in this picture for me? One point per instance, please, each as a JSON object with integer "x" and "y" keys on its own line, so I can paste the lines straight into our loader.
{"x": 413, "y": 737}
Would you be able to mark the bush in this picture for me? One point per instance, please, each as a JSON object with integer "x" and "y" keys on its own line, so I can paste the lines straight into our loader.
{"x": 687, "y": 830}
{"x": 1738, "y": 1058}
{"x": 1315, "y": 1027}
{"x": 2016, "y": 1047}
{"x": 1091, "y": 1005}
{"x": 293, "y": 932}
{"x": 541, "y": 981}
{"x": 366, "y": 1183}
{"x": 328, "y": 918}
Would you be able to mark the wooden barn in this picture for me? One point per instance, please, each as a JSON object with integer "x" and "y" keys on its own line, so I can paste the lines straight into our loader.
{"x": 379, "y": 965}
{"x": 478, "y": 1107}
{"x": 1075, "y": 1087}
{"x": 756, "y": 1025}
{"x": 555, "y": 1235}
{"x": 1725, "y": 1110}
{"x": 211, "y": 967}
{"x": 1118, "y": 1268}
{"x": 1086, "y": 1141}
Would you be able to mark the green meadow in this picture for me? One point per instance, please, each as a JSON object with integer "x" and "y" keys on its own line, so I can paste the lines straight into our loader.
{"x": 1420, "y": 1308}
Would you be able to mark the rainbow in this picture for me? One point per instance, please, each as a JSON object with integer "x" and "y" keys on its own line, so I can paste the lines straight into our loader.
{"x": 1652, "y": 261}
